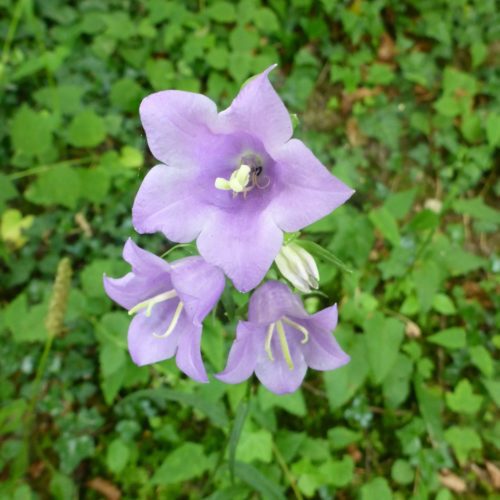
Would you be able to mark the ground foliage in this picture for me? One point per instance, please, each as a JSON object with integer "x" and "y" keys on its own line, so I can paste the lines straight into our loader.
{"x": 400, "y": 97}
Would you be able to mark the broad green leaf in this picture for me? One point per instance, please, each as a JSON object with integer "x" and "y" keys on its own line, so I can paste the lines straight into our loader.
{"x": 7, "y": 190}
{"x": 443, "y": 304}
{"x": 396, "y": 386}
{"x": 86, "y": 130}
{"x": 463, "y": 440}
{"x": 463, "y": 400}
{"x": 255, "y": 445}
{"x": 430, "y": 403}
{"x": 12, "y": 227}
{"x": 258, "y": 481}
{"x": 493, "y": 387}
{"x": 427, "y": 279}
{"x": 399, "y": 204}
{"x": 451, "y": 338}
{"x": 385, "y": 222}
{"x": 293, "y": 403}
{"x": 117, "y": 455}
{"x": 31, "y": 132}
{"x": 57, "y": 186}
{"x": 475, "y": 207}
{"x": 234, "y": 438}
{"x": 342, "y": 384}
{"x": 493, "y": 129}
{"x": 184, "y": 463}
{"x": 377, "y": 488}
{"x": 402, "y": 472}
{"x": 482, "y": 359}
{"x": 222, "y": 12}
{"x": 383, "y": 336}
{"x": 338, "y": 473}
{"x": 341, "y": 437}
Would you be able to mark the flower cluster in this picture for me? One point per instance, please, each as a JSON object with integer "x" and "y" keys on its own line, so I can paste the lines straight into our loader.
{"x": 235, "y": 182}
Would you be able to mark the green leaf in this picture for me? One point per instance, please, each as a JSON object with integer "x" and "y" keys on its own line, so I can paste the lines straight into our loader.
{"x": 258, "y": 481}
{"x": 62, "y": 487}
{"x": 463, "y": 440}
{"x": 255, "y": 445}
{"x": 482, "y": 359}
{"x": 234, "y": 438}
{"x": 430, "y": 404}
{"x": 427, "y": 279}
{"x": 377, "y": 488}
{"x": 26, "y": 322}
{"x": 186, "y": 462}
{"x": 493, "y": 129}
{"x": 117, "y": 456}
{"x": 342, "y": 384}
{"x": 341, "y": 437}
{"x": 59, "y": 185}
{"x": 475, "y": 207}
{"x": 215, "y": 412}
{"x": 443, "y": 304}
{"x": 293, "y": 403}
{"x": 64, "y": 99}
{"x": 383, "y": 336}
{"x": 31, "y": 132}
{"x": 396, "y": 386}
{"x": 338, "y": 473}
{"x": 493, "y": 387}
{"x": 222, "y": 12}
{"x": 384, "y": 221}
{"x": 463, "y": 400}
{"x": 402, "y": 472}
{"x": 7, "y": 190}
{"x": 86, "y": 130}
{"x": 399, "y": 204}
{"x": 126, "y": 95}
{"x": 451, "y": 338}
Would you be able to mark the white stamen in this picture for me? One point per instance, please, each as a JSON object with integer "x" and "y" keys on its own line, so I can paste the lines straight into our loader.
{"x": 298, "y": 327}
{"x": 284, "y": 345}
{"x": 150, "y": 303}
{"x": 173, "y": 323}
{"x": 269, "y": 338}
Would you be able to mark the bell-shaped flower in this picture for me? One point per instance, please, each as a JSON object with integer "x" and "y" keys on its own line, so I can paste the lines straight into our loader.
{"x": 169, "y": 302}
{"x": 280, "y": 340}
{"x": 234, "y": 180}
{"x": 298, "y": 266}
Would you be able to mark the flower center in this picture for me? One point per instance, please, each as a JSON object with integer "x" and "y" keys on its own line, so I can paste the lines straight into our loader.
{"x": 245, "y": 178}
{"x": 285, "y": 349}
{"x": 150, "y": 303}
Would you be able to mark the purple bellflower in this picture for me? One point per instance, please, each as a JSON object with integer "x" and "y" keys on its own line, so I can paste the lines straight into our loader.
{"x": 169, "y": 302}
{"x": 234, "y": 180}
{"x": 280, "y": 340}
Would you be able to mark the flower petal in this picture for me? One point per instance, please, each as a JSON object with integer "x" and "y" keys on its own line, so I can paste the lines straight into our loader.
{"x": 189, "y": 354}
{"x": 170, "y": 200}
{"x": 144, "y": 262}
{"x": 258, "y": 110}
{"x": 198, "y": 284}
{"x": 273, "y": 300}
{"x": 307, "y": 191}
{"x": 244, "y": 244}
{"x": 276, "y": 375}
{"x": 322, "y": 351}
{"x": 176, "y": 123}
{"x": 143, "y": 346}
{"x": 243, "y": 354}
{"x": 150, "y": 276}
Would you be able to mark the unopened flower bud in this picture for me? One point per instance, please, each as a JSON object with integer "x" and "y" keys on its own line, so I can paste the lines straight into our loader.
{"x": 298, "y": 266}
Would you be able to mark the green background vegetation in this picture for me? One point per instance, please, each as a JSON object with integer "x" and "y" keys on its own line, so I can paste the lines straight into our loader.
{"x": 400, "y": 98}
